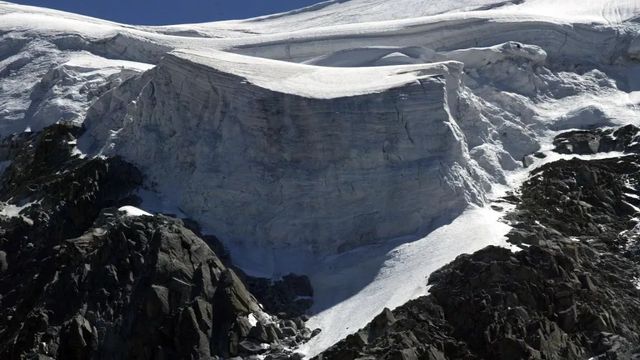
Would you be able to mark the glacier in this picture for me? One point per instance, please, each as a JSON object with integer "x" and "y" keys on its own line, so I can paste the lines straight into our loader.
{"x": 349, "y": 132}
{"x": 289, "y": 168}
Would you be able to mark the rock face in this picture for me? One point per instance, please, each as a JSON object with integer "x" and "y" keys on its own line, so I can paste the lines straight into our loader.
{"x": 138, "y": 287}
{"x": 55, "y": 190}
{"x": 570, "y": 293}
{"x": 291, "y": 296}
{"x": 81, "y": 280}
{"x": 584, "y": 142}
{"x": 282, "y": 169}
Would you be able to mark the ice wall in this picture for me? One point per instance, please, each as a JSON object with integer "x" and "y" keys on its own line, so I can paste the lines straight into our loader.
{"x": 278, "y": 169}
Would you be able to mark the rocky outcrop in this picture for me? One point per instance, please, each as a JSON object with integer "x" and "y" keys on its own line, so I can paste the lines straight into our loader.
{"x": 81, "y": 280}
{"x": 53, "y": 190}
{"x": 570, "y": 293}
{"x": 290, "y": 296}
{"x": 585, "y": 142}
{"x": 141, "y": 287}
{"x": 536, "y": 304}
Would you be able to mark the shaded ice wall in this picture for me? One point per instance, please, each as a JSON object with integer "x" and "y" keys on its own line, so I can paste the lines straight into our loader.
{"x": 283, "y": 170}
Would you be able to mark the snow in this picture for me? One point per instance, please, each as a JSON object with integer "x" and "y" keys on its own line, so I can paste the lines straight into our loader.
{"x": 313, "y": 81}
{"x": 133, "y": 211}
{"x": 12, "y": 210}
{"x": 352, "y": 288}
{"x": 252, "y": 320}
{"x": 633, "y": 196}
{"x": 336, "y": 13}
{"x": 392, "y": 55}
{"x": 302, "y": 146}
{"x": 635, "y": 208}
{"x": 43, "y": 84}
{"x": 91, "y": 62}
{"x": 157, "y": 203}
{"x": 604, "y": 11}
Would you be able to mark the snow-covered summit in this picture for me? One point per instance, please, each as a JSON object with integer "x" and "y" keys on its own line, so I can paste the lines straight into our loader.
{"x": 340, "y": 12}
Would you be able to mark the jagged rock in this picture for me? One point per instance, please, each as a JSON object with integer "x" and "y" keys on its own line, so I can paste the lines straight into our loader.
{"x": 624, "y": 139}
{"x": 288, "y": 331}
{"x": 157, "y": 303}
{"x": 249, "y": 347}
{"x": 290, "y": 296}
{"x": 79, "y": 339}
{"x": 169, "y": 319}
{"x": 586, "y": 282}
{"x": 3, "y": 262}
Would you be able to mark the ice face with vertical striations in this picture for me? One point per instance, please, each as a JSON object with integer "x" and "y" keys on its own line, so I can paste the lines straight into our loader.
{"x": 289, "y": 156}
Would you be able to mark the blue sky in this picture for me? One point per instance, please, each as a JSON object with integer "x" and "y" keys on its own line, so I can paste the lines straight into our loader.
{"x": 160, "y": 12}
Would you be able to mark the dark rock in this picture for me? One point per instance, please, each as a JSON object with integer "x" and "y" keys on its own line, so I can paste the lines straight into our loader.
{"x": 567, "y": 319}
{"x": 586, "y": 282}
{"x": 290, "y": 297}
{"x": 250, "y": 347}
{"x": 624, "y": 139}
{"x": 79, "y": 339}
{"x": 3, "y": 262}
{"x": 288, "y": 331}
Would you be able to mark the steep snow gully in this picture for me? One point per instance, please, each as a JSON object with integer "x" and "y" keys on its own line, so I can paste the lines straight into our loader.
{"x": 359, "y": 142}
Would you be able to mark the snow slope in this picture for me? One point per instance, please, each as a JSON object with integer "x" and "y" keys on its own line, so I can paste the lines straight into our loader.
{"x": 355, "y": 141}
{"x": 332, "y": 13}
{"x": 354, "y": 286}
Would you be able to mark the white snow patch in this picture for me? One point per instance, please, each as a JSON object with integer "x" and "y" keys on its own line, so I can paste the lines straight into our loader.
{"x": 635, "y": 208}
{"x": 252, "y": 320}
{"x": 133, "y": 211}
{"x": 88, "y": 61}
{"x": 633, "y": 196}
{"x": 12, "y": 210}
{"x": 156, "y": 203}
{"x": 314, "y": 81}
{"x": 352, "y": 288}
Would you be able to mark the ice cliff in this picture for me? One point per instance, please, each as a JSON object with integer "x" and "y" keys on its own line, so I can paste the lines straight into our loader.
{"x": 265, "y": 157}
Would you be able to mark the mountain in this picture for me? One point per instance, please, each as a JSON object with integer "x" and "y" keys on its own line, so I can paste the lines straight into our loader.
{"x": 360, "y": 144}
